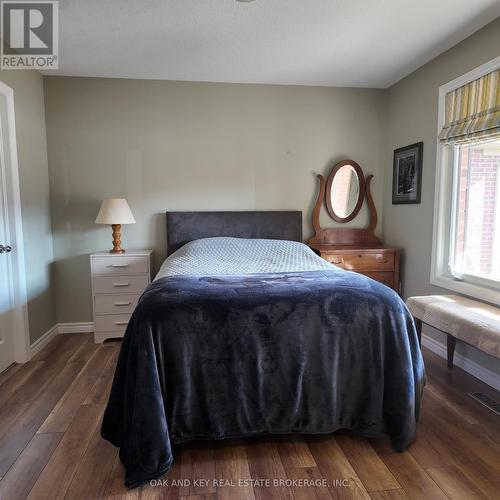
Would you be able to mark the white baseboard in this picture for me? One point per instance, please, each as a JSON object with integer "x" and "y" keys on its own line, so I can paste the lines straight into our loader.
{"x": 41, "y": 342}
{"x": 87, "y": 327}
{"x": 475, "y": 369}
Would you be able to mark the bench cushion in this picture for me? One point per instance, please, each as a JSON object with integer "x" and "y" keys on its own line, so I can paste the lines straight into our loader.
{"x": 468, "y": 320}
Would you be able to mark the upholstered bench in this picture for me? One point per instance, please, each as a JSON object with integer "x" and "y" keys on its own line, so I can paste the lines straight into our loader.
{"x": 467, "y": 320}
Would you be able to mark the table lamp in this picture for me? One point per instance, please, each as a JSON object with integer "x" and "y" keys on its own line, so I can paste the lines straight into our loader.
{"x": 115, "y": 212}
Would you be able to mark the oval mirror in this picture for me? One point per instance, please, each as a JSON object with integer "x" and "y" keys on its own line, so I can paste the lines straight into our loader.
{"x": 345, "y": 191}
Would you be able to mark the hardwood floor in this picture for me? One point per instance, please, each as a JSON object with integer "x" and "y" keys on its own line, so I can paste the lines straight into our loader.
{"x": 50, "y": 446}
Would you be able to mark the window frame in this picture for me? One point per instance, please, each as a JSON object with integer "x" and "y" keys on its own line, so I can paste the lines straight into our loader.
{"x": 445, "y": 200}
{"x": 467, "y": 277}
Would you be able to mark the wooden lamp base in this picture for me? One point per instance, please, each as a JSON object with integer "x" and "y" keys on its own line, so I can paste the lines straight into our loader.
{"x": 117, "y": 239}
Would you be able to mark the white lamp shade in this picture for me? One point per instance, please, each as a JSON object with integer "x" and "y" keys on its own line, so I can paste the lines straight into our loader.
{"x": 115, "y": 211}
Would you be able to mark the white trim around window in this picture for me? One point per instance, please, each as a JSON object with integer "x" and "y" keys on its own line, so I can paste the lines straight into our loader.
{"x": 443, "y": 199}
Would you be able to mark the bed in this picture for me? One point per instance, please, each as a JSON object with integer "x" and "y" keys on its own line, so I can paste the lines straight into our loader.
{"x": 245, "y": 331}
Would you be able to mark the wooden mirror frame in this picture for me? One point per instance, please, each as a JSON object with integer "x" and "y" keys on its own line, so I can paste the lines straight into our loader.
{"x": 345, "y": 235}
{"x": 361, "y": 191}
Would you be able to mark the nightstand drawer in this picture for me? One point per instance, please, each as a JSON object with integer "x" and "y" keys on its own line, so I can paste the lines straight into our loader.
{"x": 120, "y": 284}
{"x": 362, "y": 261}
{"x": 111, "y": 322}
{"x": 114, "y": 265}
{"x": 115, "y": 304}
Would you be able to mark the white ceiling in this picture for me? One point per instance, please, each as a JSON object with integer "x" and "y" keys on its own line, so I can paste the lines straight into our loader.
{"x": 354, "y": 43}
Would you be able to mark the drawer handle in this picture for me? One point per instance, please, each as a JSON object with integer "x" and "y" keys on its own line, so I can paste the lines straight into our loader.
{"x": 118, "y": 265}
{"x": 338, "y": 261}
{"x": 122, "y": 303}
{"x": 121, "y": 284}
{"x": 120, "y": 323}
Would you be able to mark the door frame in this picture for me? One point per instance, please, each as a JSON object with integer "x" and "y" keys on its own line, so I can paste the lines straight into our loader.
{"x": 16, "y": 263}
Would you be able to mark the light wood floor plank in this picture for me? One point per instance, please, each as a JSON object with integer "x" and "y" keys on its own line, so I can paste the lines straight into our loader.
{"x": 15, "y": 406}
{"x": 56, "y": 478}
{"x": 9, "y": 413}
{"x": 389, "y": 495}
{"x": 197, "y": 462}
{"x": 467, "y": 438}
{"x": 63, "y": 413}
{"x": 294, "y": 452}
{"x": 212, "y": 496}
{"x": 333, "y": 464}
{"x": 461, "y": 410}
{"x": 110, "y": 367}
{"x": 455, "y": 484}
{"x": 474, "y": 471}
{"x": 21, "y": 477}
{"x": 99, "y": 393}
{"x": 307, "y": 492}
{"x": 454, "y": 386}
{"x": 372, "y": 471}
{"x": 115, "y": 487}
{"x": 25, "y": 427}
{"x": 40, "y": 374}
{"x": 84, "y": 352}
{"x": 92, "y": 473}
{"x": 430, "y": 449}
{"x": 64, "y": 347}
{"x": 382, "y": 446}
{"x": 414, "y": 480}
{"x": 437, "y": 446}
{"x": 231, "y": 464}
{"x": 163, "y": 491}
{"x": 9, "y": 372}
{"x": 50, "y": 350}
{"x": 97, "y": 362}
{"x": 20, "y": 387}
{"x": 203, "y": 463}
{"x": 265, "y": 463}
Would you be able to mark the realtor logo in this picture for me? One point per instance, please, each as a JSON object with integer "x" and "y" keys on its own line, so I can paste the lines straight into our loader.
{"x": 30, "y": 35}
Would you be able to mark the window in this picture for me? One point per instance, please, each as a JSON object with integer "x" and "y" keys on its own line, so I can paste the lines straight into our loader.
{"x": 475, "y": 241}
{"x": 466, "y": 241}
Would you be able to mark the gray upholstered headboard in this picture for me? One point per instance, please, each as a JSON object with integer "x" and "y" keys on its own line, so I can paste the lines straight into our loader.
{"x": 183, "y": 227}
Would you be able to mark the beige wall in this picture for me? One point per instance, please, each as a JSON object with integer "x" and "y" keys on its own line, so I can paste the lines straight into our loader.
{"x": 411, "y": 117}
{"x": 35, "y": 202}
{"x": 190, "y": 146}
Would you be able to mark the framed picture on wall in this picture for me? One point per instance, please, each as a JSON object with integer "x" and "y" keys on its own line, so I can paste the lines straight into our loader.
{"x": 407, "y": 174}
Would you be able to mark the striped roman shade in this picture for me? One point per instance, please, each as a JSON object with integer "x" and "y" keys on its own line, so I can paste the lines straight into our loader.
{"x": 472, "y": 112}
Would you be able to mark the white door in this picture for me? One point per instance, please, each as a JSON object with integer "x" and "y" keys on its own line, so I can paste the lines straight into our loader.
{"x": 14, "y": 333}
{"x": 6, "y": 338}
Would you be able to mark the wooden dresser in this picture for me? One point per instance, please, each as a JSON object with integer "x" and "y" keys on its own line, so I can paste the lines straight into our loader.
{"x": 118, "y": 281}
{"x": 352, "y": 248}
{"x": 378, "y": 261}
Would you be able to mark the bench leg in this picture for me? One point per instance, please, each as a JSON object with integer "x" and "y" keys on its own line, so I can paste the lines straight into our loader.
{"x": 451, "y": 342}
{"x": 418, "y": 326}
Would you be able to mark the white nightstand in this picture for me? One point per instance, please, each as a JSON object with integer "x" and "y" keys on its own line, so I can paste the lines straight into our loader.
{"x": 117, "y": 283}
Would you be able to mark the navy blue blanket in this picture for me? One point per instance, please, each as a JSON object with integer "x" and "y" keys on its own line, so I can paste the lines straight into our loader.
{"x": 212, "y": 357}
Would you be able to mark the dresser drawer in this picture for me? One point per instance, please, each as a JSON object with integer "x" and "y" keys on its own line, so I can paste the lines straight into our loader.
{"x": 111, "y": 322}
{"x": 135, "y": 264}
{"x": 120, "y": 284}
{"x": 386, "y": 278}
{"x": 115, "y": 304}
{"x": 361, "y": 261}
